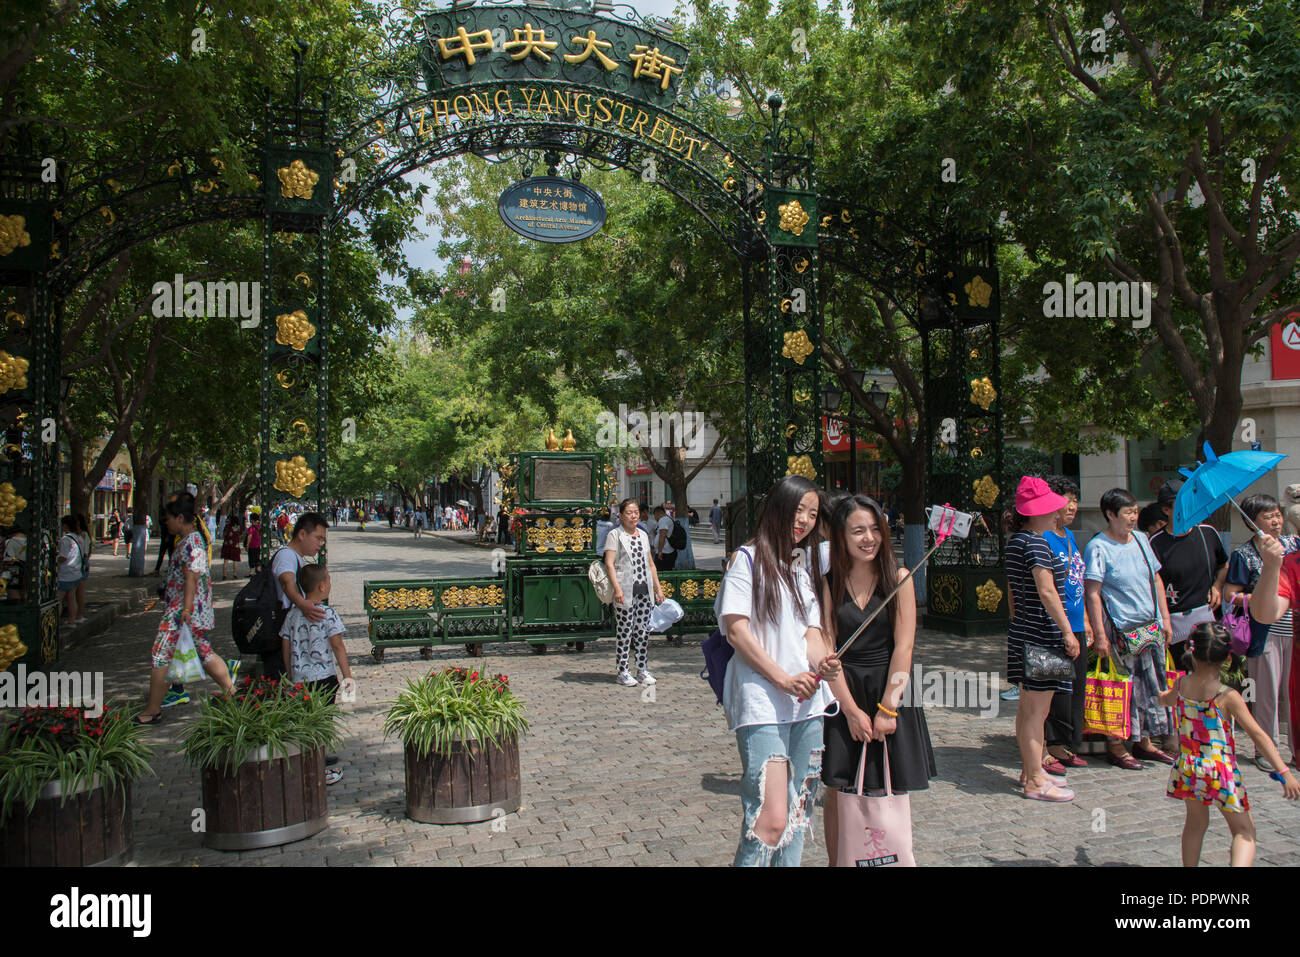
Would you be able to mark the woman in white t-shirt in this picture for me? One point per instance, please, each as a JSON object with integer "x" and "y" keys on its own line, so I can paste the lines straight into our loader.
{"x": 773, "y": 694}
{"x": 70, "y": 567}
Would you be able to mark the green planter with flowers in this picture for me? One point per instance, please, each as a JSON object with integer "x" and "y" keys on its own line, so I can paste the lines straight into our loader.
{"x": 460, "y": 730}
{"x": 65, "y": 786}
{"x": 261, "y": 750}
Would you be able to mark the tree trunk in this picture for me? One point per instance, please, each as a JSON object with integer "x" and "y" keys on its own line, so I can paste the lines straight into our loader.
{"x": 78, "y": 494}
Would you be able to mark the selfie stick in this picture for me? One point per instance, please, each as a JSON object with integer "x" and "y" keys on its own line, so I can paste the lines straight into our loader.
{"x": 946, "y": 522}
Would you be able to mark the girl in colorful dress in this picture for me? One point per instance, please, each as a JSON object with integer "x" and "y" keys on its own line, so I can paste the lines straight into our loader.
{"x": 1206, "y": 771}
{"x": 188, "y": 594}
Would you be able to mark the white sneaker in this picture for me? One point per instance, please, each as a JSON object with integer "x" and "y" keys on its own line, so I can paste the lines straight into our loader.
{"x": 645, "y": 677}
{"x": 626, "y": 679}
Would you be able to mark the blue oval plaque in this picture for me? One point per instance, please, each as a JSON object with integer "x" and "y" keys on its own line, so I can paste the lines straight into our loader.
{"x": 552, "y": 210}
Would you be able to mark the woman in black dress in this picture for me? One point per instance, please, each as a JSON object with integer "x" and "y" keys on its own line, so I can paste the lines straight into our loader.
{"x": 872, "y": 703}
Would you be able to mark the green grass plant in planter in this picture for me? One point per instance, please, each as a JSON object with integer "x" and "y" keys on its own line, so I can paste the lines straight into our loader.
{"x": 261, "y": 713}
{"x": 65, "y": 785}
{"x": 261, "y": 750}
{"x": 460, "y": 730}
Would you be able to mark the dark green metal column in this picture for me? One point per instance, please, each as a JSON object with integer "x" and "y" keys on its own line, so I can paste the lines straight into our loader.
{"x": 960, "y": 308}
{"x": 298, "y": 184}
{"x": 30, "y": 373}
{"x": 782, "y": 354}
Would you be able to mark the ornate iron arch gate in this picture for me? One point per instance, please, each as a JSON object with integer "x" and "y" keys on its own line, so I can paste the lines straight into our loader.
{"x": 502, "y": 80}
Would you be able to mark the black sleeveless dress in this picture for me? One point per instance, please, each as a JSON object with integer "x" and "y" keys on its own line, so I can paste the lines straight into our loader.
{"x": 866, "y": 670}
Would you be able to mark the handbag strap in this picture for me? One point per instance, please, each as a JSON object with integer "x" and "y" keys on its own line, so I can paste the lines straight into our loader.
{"x": 862, "y": 768}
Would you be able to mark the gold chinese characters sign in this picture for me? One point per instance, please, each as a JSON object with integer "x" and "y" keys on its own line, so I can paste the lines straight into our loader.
{"x": 471, "y": 45}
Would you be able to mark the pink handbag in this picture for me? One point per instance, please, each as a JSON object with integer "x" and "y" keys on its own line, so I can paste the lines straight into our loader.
{"x": 874, "y": 831}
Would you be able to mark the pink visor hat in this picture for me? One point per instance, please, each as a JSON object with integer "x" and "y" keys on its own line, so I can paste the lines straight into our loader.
{"x": 1033, "y": 497}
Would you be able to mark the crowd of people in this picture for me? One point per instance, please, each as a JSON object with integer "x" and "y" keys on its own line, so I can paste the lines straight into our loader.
{"x": 810, "y": 711}
{"x": 1150, "y": 605}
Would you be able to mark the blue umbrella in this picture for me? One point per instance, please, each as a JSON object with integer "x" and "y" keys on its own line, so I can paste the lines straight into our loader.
{"x": 1215, "y": 483}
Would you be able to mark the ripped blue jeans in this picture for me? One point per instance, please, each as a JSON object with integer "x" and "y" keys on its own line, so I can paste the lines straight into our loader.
{"x": 794, "y": 750}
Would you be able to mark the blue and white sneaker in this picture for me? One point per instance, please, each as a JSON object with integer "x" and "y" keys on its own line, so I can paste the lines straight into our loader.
{"x": 175, "y": 697}
{"x": 1011, "y": 694}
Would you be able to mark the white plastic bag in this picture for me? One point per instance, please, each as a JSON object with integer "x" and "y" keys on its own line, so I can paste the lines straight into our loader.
{"x": 664, "y": 615}
{"x": 185, "y": 664}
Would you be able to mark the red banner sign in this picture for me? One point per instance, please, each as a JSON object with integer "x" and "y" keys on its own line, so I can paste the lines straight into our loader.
{"x": 835, "y": 437}
{"x": 1285, "y": 338}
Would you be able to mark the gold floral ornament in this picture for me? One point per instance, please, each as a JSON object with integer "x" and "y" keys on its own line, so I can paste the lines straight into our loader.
{"x": 13, "y": 234}
{"x": 472, "y": 596}
{"x": 11, "y": 503}
{"x": 982, "y": 392}
{"x": 978, "y": 292}
{"x": 793, "y": 217}
{"x": 667, "y": 588}
{"x": 797, "y": 346}
{"x": 990, "y": 596}
{"x": 800, "y": 266}
{"x": 293, "y": 476}
{"x": 293, "y": 329}
{"x": 13, "y": 372}
{"x": 400, "y": 599}
{"x": 710, "y": 588}
{"x": 296, "y": 180}
{"x": 986, "y": 491}
{"x": 800, "y": 465}
{"x": 11, "y": 647}
{"x": 802, "y": 396}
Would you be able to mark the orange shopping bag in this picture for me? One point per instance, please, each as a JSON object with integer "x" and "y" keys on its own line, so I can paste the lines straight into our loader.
{"x": 1106, "y": 704}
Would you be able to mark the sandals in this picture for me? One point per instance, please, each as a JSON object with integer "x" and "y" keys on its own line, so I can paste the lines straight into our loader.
{"x": 1124, "y": 760}
{"x": 1052, "y": 792}
{"x": 1152, "y": 754}
{"x": 1053, "y": 766}
{"x": 1052, "y": 778}
{"x": 153, "y": 719}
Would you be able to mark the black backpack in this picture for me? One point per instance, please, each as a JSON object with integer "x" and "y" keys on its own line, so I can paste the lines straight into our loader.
{"x": 677, "y": 537}
{"x": 257, "y": 615}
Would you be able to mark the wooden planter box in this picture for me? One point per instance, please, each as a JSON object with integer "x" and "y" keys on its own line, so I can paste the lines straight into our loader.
{"x": 265, "y": 802}
{"x": 473, "y": 783}
{"x": 93, "y": 829}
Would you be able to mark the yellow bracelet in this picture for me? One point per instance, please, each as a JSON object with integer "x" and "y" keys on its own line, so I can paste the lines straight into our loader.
{"x": 881, "y": 706}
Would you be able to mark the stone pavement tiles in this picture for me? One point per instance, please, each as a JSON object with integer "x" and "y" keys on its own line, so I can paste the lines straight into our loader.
{"x": 617, "y": 776}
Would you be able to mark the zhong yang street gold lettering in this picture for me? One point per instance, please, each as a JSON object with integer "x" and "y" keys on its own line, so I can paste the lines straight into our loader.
{"x": 554, "y": 102}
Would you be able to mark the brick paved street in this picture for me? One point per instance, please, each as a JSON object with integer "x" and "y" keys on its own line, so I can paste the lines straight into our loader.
{"x": 613, "y": 779}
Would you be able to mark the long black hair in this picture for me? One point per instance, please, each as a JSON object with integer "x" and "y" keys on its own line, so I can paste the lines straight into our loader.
{"x": 842, "y": 563}
{"x": 774, "y": 544}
